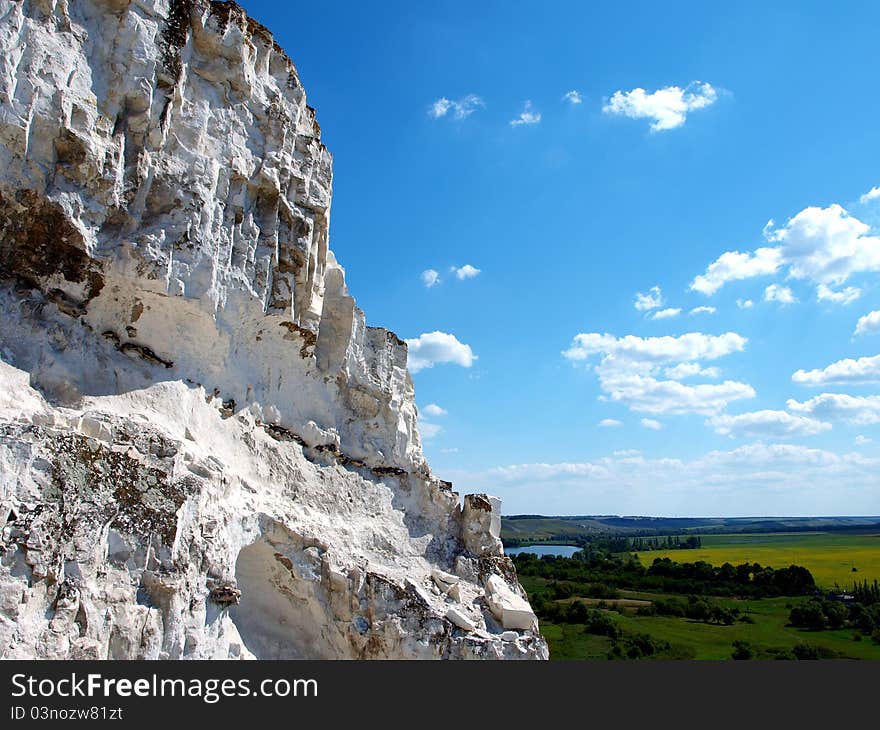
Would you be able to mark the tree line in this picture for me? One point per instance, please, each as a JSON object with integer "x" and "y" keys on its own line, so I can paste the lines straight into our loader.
{"x": 748, "y": 580}
{"x": 669, "y": 542}
{"x": 820, "y": 613}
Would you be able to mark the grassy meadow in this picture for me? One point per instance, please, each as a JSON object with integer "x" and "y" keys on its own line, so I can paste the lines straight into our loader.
{"x": 829, "y": 556}
{"x": 768, "y": 632}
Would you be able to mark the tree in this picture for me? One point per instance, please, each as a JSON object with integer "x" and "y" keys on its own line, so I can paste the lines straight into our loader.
{"x": 808, "y": 616}
{"x": 742, "y": 650}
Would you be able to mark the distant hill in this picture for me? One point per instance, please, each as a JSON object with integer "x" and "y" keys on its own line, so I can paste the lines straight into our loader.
{"x": 522, "y": 529}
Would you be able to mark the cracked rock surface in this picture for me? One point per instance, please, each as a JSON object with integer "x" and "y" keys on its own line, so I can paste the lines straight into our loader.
{"x": 204, "y": 450}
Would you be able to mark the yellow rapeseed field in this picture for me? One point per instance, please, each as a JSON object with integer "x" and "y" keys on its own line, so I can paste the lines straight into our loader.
{"x": 832, "y": 558}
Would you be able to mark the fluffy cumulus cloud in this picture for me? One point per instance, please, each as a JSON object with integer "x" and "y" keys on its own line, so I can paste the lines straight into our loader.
{"x": 689, "y": 347}
{"x": 869, "y": 324}
{"x": 872, "y": 194}
{"x": 825, "y": 293}
{"x": 651, "y": 424}
{"x": 745, "y": 303}
{"x": 779, "y": 293}
{"x": 652, "y": 300}
{"x": 465, "y": 272}
{"x": 630, "y": 369}
{"x": 646, "y": 394}
{"x": 767, "y": 424}
{"x": 430, "y": 277}
{"x": 668, "y": 313}
{"x": 704, "y": 309}
{"x": 432, "y": 409}
{"x": 827, "y": 245}
{"x": 667, "y": 108}
{"x": 843, "y": 372}
{"x": 457, "y": 109}
{"x": 822, "y": 245}
{"x": 527, "y": 116}
{"x": 734, "y": 266}
{"x": 609, "y": 423}
{"x": 432, "y": 348}
{"x": 691, "y": 370}
{"x": 784, "y": 476}
{"x": 852, "y": 409}
{"x": 573, "y": 97}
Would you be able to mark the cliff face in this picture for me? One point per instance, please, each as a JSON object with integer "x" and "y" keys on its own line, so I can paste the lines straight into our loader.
{"x": 204, "y": 451}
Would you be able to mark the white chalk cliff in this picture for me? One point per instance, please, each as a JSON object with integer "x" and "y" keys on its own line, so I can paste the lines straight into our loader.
{"x": 204, "y": 450}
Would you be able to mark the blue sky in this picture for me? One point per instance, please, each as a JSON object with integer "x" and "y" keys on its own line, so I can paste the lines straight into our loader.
{"x": 693, "y": 126}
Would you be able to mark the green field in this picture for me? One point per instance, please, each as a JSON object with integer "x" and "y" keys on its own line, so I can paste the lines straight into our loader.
{"x": 696, "y": 640}
{"x": 829, "y": 556}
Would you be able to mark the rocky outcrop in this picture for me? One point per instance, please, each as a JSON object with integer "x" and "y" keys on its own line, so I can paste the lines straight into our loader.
{"x": 204, "y": 450}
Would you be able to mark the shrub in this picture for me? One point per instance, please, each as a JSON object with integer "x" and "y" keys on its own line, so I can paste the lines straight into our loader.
{"x": 810, "y": 651}
{"x": 805, "y": 651}
{"x": 742, "y": 650}
{"x": 601, "y": 624}
{"x": 809, "y": 615}
{"x": 577, "y": 613}
{"x": 600, "y": 590}
{"x": 670, "y": 607}
{"x": 783, "y": 654}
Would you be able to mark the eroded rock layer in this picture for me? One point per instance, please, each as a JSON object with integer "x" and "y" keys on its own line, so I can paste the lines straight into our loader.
{"x": 204, "y": 450}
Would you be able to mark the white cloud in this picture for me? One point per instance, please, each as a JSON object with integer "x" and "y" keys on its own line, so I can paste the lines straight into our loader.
{"x": 652, "y": 424}
{"x": 667, "y": 107}
{"x": 460, "y": 109}
{"x": 767, "y": 424}
{"x": 823, "y": 245}
{"x": 857, "y": 410}
{"x": 765, "y": 462}
{"x": 440, "y": 107}
{"x": 869, "y": 324}
{"x": 629, "y": 365}
{"x": 843, "y": 372}
{"x": 845, "y": 296}
{"x": 431, "y": 348}
{"x": 430, "y": 278}
{"x": 666, "y": 349}
{"x": 862, "y": 440}
{"x": 432, "y": 409}
{"x": 526, "y": 116}
{"x": 872, "y": 194}
{"x": 781, "y": 294}
{"x": 465, "y": 272}
{"x": 690, "y": 370}
{"x": 610, "y": 423}
{"x": 646, "y": 394}
{"x": 652, "y": 300}
{"x": 429, "y": 430}
{"x": 734, "y": 266}
{"x": 745, "y": 303}
{"x": 703, "y": 310}
{"x": 573, "y": 97}
{"x": 666, "y": 313}
{"x": 755, "y": 478}
{"x": 827, "y": 245}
